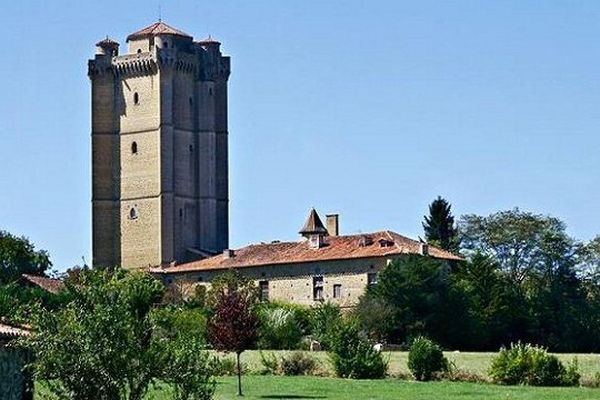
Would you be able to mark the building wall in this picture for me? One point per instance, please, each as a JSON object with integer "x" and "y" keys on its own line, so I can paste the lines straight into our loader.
{"x": 293, "y": 283}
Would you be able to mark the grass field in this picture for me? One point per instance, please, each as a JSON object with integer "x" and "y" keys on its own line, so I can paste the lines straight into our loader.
{"x": 279, "y": 387}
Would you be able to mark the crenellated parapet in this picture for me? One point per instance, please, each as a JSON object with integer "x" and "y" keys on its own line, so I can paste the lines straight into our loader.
{"x": 138, "y": 65}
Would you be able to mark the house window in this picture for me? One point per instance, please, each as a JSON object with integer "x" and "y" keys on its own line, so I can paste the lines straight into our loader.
{"x": 264, "y": 290}
{"x": 337, "y": 291}
{"x": 134, "y": 148}
{"x": 318, "y": 288}
{"x": 372, "y": 278}
{"x": 136, "y": 98}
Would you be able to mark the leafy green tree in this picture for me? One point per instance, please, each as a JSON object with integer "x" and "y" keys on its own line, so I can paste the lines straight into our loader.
{"x": 521, "y": 242}
{"x": 426, "y": 301}
{"x": 106, "y": 344}
{"x": 18, "y": 256}
{"x": 499, "y": 311}
{"x": 324, "y": 318}
{"x": 376, "y": 316}
{"x": 439, "y": 225}
{"x": 234, "y": 323}
{"x": 279, "y": 327}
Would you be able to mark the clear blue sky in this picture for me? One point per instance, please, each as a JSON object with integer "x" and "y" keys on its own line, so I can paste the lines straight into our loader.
{"x": 369, "y": 109}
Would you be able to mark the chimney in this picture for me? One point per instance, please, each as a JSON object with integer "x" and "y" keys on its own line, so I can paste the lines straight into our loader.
{"x": 424, "y": 249}
{"x": 228, "y": 253}
{"x": 333, "y": 224}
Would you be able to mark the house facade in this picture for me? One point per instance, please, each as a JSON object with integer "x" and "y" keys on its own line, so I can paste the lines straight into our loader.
{"x": 322, "y": 266}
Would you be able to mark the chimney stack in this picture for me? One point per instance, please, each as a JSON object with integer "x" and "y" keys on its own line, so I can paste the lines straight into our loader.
{"x": 333, "y": 224}
{"x": 424, "y": 249}
{"x": 228, "y": 253}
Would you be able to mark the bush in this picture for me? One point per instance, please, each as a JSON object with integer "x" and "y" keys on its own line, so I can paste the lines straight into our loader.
{"x": 324, "y": 320}
{"x": 226, "y": 366}
{"x": 426, "y": 359}
{"x": 270, "y": 363}
{"x": 525, "y": 364}
{"x": 279, "y": 328}
{"x": 353, "y": 356}
{"x": 297, "y": 363}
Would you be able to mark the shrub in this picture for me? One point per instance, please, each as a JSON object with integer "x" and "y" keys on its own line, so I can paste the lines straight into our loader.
{"x": 270, "y": 363}
{"x": 525, "y": 364}
{"x": 279, "y": 328}
{"x": 353, "y": 356}
{"x": 324, "y": 320}
{"x": 297, "y": 363}
{"x": 425, "y": 359}
{"x": 227, "y": 366}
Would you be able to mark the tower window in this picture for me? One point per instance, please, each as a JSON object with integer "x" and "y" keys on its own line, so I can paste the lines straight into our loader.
{"x": 166, "y": 44}
{"x": 139, "y": 51}
{"x": 134, "y": 148}
{"x": 210, "y": 91}
{"x": 191, "y": 100}
{"x": 180, "y": 213}
{"x": 133, "y": 213}
{"x": 191, "y": 148}
{"x": 136, "y": 98}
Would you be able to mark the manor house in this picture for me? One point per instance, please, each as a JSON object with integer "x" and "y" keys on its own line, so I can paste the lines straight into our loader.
{"x": 322, "y": 266}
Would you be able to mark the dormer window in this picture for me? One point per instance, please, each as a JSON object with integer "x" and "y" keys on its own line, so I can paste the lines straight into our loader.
{"x": 385, "y": 243}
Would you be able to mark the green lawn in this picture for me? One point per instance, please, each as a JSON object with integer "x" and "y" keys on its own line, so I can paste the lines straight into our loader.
{"x": 304, "y": 387}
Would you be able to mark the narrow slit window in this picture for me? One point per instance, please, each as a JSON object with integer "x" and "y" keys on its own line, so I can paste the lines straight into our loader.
{"x": 133, "y": 214}
{"x": 136, "y": 98}
{"x": 134, "y": 148}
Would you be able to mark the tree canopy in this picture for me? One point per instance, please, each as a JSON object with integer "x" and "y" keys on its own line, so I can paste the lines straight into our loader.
{"x": 18, "y": 256}
{"x": 439, "y": 225}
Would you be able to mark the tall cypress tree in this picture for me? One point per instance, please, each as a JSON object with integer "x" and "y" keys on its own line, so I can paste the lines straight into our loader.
{"x": 439, "y": 225}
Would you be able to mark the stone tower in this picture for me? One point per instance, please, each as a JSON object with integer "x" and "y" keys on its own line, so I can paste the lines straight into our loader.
{"x": 159, "y": 149}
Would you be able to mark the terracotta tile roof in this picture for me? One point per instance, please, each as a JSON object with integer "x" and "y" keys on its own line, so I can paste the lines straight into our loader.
{"x": 48, "y": 284}
{"x": 377, "y": 244}
{"x": 107, "y": 42}
{"x": 8, "y": 331}
{"x": 209, "y": 40}
{"x": 313, "y": 224}
{"x": 157, "y": 28}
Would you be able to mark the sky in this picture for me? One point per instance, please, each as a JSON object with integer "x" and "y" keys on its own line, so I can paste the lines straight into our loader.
{"x": 366, "y": 109}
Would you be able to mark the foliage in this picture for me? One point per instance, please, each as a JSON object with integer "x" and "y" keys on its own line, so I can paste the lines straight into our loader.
{"x": 425, "y": 299}
{"x": 101, "y": 344}
{"x": 525, "y": 364}
{"x": 353, "y": 356}
{"x": 182, "y": 321}
{"x": 18, "y": 256}
{"x": 234, "y": 323}
{"x": 189, "y": 369}
{"x": 297, "y": 363}
{"x": 377, "y": 317}
{"x": 280, "y": 327}
{"x": 106, "y": 344}
{"x": 270, "y": 363}
{"x": 226, "y": 366}
{"x": 425, "y": 359}
{"x": 324, "y": 319}
{"x": 439, "y": 225}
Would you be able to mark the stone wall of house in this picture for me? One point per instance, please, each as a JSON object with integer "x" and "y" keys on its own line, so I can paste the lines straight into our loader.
{"x": 11, "y": 376}
{"x": 294, "y": 283}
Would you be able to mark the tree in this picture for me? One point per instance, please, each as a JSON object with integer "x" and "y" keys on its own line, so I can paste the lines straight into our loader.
{"x": 234, "y": 324}
{"x": 439, "y": 225}
{"x": 425, "y": 300}
{"x": 521, "y": 242}
{"x": 18, "y": 256}
{"x": 106, "y": 344}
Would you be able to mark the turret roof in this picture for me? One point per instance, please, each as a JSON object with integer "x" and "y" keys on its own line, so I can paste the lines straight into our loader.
{"x": 313, "y": 224}
{"x": 157, "y": 28}
{"x": 107, "y": 42}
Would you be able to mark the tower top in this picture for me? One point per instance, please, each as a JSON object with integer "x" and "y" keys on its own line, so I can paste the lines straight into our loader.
{"x": 108, "y": 42}
{"x": 157, "y": 28}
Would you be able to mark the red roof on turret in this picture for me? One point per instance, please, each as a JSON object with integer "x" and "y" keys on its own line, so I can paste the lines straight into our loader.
{"x": 157, "y": 28}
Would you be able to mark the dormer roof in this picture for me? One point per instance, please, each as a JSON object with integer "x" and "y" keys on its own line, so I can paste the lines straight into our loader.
{"x": 157, "y": 28}
{"x": 313, "y": 224}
